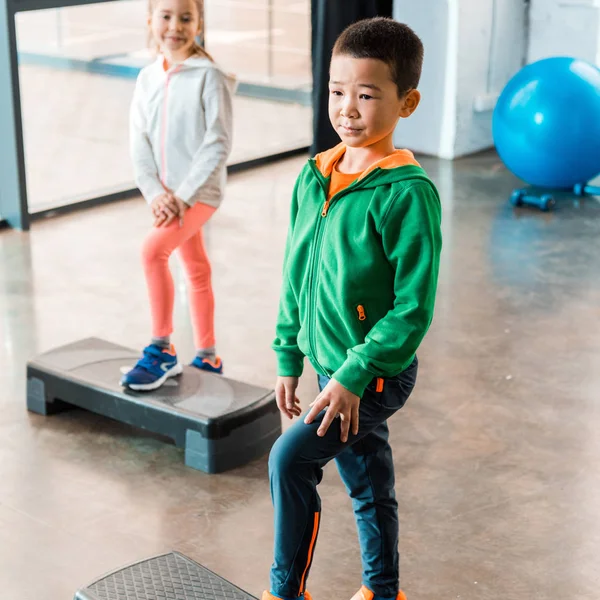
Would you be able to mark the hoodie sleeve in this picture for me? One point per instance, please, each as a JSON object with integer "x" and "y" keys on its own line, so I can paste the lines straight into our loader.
{"x": 214, "y": 150}
{"x": 290, "y": 360}
{"x": 144, "y": 167}
{"x": 411, "y": 238}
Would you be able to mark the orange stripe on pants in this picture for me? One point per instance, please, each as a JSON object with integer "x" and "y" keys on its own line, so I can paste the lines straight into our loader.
{"x": 311, "y": 549}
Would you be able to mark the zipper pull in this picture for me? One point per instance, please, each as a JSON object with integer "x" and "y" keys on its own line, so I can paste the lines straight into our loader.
{"x": 361, "y": 313}
{"x": 325, "y": 208}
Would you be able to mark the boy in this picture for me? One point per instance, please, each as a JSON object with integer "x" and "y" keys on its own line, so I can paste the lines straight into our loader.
{"x": 359, "y": 285}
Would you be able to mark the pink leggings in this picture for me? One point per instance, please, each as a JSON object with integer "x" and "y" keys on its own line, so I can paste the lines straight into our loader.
{"x": 158, "y": 246}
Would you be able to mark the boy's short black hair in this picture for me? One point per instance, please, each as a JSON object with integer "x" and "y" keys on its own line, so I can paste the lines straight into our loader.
{"x": 396, "y": 44}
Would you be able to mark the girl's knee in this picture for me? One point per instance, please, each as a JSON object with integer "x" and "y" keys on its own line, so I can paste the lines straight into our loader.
{"x": 153, "y": 250}
{"x": 197, "y": 268}
{"x": 199, "y": 279}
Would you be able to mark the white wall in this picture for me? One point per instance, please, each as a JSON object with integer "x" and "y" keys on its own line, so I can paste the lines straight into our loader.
{"x": 565, "y": 28}
{"x": 472, "y": 48}
{"x": 423, "y": 131}
{"x": 492, "y": 46}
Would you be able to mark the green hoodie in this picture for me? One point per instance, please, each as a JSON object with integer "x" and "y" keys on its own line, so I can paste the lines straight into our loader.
{"x": 360, "y": 271}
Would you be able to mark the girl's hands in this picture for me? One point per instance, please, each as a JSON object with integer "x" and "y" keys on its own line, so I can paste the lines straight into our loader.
{"x": 166, "y": 208}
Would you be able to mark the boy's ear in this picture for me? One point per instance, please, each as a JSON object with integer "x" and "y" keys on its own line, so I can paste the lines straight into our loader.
{"x": 410, "y": 103}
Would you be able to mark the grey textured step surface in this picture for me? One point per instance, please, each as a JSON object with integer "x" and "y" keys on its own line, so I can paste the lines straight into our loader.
{"x": 170, "y": 576}
{"x": 220, "y": 422}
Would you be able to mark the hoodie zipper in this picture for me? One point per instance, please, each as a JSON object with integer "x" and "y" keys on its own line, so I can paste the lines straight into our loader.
{"x": 362, "y": 315}
{"x": 163, "y": 141}
{"x": 316, "y": 257}
{"x": 355, "y": 184}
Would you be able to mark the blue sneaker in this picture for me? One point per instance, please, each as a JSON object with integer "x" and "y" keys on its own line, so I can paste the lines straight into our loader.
{"x": 206, "y": 365}
{"x": 153, "y": 369}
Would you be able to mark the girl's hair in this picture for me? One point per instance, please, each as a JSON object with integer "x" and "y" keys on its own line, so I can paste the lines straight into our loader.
{"x": 197, "y": 48}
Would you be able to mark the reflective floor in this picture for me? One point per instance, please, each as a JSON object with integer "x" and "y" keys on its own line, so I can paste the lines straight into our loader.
{"x": 498, "y": 476}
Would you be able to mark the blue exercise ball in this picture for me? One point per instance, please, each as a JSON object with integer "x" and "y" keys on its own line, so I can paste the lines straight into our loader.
{"x": 546, "y": 124}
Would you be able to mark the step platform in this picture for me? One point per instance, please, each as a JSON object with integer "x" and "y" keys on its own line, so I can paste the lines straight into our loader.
{"x": 170, "y": 576}
{"x": 221, "y": 423}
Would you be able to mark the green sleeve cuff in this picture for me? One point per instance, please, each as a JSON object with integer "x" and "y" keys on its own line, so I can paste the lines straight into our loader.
{"x": 289, "y": 364}
{"x": 353, "y": 377}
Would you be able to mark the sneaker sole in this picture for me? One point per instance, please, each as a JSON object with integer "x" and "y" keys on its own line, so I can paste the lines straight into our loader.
{"x": 207, "y": 370}
{"x": 148, "y": 387}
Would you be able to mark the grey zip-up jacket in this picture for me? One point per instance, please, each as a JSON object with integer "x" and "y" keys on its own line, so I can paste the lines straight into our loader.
{"x": 180, "y": 130}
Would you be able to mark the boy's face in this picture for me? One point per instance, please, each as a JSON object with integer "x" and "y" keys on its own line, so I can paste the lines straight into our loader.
{"x": 364, "y": 106}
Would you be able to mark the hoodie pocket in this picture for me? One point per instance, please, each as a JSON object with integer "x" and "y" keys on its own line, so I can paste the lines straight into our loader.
{"x": 396, "y": 390}
{"x": 391, "y": 393}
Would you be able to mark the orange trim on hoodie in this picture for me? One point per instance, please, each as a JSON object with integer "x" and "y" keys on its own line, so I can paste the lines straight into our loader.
{"x": 399, "y": 158}
{"x": 327, "y": 163}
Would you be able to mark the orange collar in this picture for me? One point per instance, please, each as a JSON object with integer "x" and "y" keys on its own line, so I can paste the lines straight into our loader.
{"x": 400, "y": 158}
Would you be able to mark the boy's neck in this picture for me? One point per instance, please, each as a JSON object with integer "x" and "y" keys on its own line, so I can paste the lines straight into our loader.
{"x": 357, "y": 160}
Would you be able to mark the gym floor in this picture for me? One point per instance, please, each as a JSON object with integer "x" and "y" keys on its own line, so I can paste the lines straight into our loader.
{"x": 496, "y": 452}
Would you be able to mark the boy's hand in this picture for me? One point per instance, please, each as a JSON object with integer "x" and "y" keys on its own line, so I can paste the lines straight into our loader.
{"x": 285, "y": 394}
{"x": 342, "y": 403}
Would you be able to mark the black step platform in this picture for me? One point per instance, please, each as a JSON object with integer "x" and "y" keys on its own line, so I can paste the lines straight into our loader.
{"x": 170, "y": 576}
{"x": 221, "y": 423}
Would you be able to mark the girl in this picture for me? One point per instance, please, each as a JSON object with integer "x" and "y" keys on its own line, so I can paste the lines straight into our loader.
{"x": 181, "y": 121}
